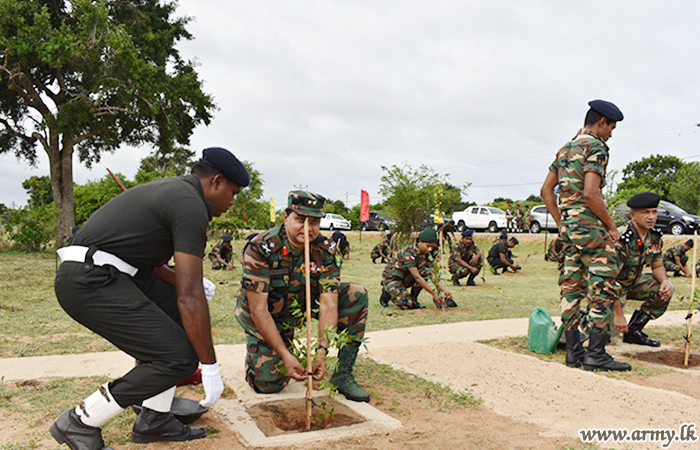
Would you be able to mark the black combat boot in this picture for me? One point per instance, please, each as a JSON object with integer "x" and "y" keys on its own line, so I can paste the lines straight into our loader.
{"x": 415, "y": 290}
{"x": 450, "y": 303}
{"x": 635, "y": 335}
{"x": 385, "y": 298}
{"x": 597, "y": 358}
{"x": 153, "y": 426}
{"x": 470, "y": 280}
{"x": 574, "y": 349}
{"x": 68, "y": 429}
{"x": 455, "y": 280}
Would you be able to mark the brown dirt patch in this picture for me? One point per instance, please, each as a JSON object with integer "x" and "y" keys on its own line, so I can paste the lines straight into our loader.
{"x": 674, "y": 357}
{"x": 289, "y": 416}
{"x": 683, "y": 383}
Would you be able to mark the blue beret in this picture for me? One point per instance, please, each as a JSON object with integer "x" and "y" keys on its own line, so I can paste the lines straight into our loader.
{"x": 514, "y": 239}
{"x": 466, "y": 233}
{"x": 229, "y": 166}
{"x": 389, "y": 235}
{"x": 607, "y": 109}
{"x": 644, "y": 200}
{"x": 227, "y": 238}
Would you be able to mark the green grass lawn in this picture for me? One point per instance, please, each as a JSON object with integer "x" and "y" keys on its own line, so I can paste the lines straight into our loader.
{"x": 33, "y": 324}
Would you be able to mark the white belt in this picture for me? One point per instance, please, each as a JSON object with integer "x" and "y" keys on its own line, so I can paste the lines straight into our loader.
{"x": 76, "y": 253}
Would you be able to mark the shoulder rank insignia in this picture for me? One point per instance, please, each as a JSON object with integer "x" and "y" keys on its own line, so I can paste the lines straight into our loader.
{"x": 627, "y": 235}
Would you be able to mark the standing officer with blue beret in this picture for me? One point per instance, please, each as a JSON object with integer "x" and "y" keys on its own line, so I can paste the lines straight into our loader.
{"x": 113, "y": 280}
{"x": 640, "y": 244}
{"x": 588, "y": 234}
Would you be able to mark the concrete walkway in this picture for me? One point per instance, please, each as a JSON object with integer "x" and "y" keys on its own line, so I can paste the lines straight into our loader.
{"x": 523, "y": 387}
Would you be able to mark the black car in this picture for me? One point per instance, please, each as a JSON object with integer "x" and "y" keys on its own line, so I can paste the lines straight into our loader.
{"x": 671, "y": 218}
{"x": 376, "y": 222}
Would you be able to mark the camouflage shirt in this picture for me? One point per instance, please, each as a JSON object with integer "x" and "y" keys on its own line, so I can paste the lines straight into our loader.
{"x": 462, "y": 251}
{"x": 221, "y": 250}
{"x": 584, "y": 153}
{"x": 633, "y": 253}
{"x": 671, "y": 253}
{"x": 405, "y": 259}
{"x": 271, "y": 267}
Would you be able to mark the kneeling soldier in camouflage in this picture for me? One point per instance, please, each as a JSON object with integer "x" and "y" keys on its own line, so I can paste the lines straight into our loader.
{"x": 640, "y": 244}
{"x": 465, "y": 259}
{"x": 409, "y": 269}
{"x": 273, "y": 279}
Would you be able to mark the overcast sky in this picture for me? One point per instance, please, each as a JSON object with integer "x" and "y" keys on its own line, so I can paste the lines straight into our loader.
{"x": 322, "y": 94}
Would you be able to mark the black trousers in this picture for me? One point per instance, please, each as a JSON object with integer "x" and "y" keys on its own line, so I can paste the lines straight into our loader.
{"x": 138, "y": 315}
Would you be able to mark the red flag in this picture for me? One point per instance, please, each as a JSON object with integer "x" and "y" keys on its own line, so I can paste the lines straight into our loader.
{"x": 364, "y": 206}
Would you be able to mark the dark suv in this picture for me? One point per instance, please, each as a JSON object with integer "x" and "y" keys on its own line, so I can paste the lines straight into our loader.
{"x": 376, "y": 222}
{"x": 671, "y": 218}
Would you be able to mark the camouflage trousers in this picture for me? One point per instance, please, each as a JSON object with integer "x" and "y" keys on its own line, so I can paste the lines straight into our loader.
{"x": 263, "y": 364}
{"x": 461, "y": 271}
{"x": 376, "y": 255}
{"x": 589, "y": 267}
{"x": 646, "y": 289}
{"x": 673, "y": 268}
{"x": 400, "y": 290}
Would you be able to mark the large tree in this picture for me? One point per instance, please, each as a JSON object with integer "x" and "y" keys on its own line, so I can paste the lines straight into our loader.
{"x": 85, "y": 77}
{"x": 685, "y": 190}
{"x": 654, "y": 173}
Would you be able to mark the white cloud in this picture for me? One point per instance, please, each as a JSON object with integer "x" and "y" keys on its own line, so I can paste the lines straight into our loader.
{"x": 323, "y": 94}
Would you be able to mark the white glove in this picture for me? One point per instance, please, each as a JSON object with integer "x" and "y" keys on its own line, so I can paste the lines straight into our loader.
{"x": 209, "y": 289}
{"x": 213, "y": 384}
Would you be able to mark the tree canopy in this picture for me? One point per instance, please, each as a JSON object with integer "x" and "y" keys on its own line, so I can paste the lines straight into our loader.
{"x": 654, "y": 173}
{"x": 85, "y": 77}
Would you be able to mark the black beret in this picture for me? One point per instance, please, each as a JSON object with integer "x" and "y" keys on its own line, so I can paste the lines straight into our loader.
{"x": 229, "y": 166}
{"x": 644, "y": 200}
{"x": 689, "y": 243}
{"x": 607, "y": 109}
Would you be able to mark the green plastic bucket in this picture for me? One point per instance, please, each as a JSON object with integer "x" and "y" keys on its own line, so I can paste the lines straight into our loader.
{"x": 542, "y": 333}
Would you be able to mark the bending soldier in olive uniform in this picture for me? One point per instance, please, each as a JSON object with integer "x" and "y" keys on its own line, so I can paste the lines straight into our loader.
{"x": 342, "y": 246}
{"x": 500, "y": 257}
{"x": 446, "y": 233}
{"x": 465, "y": 260}
{"x": 383, "y": 250}
{"x": 675, "y": 259}
{"x": 112, "y": 280}
{"x": 588, "y": 234}
{"x": 273, "y": 280}
{"x": 640, "y": 245}
{"x": 409, "y": 268}
{"x": 221, "y": 255}
{"x": 527, "y": 220}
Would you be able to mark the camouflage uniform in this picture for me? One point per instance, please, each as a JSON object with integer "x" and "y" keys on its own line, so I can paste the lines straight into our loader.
{"x": 385, "y": 246}
{"x": 272, "y": 267}
{"x": 590, "y": 259}
{"x": 670, "y": 260}
{"x": 465, "y": 253}
{"x": 446, "y": 230}
{"x": 225, "y": 252}
{"x": 632, "y": 255}
{"x": 519, "y": 214}
{"x": 397, "y": 280}
{"x": 554, "y": 252}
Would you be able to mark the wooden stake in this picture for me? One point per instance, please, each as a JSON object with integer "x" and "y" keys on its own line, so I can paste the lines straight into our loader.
{"x": 692, "y": 297}
{"x": 309, "y": 359}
